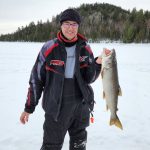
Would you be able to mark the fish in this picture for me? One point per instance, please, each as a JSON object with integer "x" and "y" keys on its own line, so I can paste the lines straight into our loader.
{"x": 111, "y": 87}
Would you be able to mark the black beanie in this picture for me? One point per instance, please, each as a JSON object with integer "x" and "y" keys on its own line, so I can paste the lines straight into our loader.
{"x": 70, "y": 15}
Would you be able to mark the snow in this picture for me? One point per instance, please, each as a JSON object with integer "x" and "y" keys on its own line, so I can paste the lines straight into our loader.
{"x": 16, "y": 61}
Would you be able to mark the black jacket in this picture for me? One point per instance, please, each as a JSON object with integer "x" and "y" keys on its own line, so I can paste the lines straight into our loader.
{"x": 47, "y": 75}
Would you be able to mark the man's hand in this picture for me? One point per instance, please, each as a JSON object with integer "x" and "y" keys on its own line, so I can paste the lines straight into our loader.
{"x": 99, "y": 59}
{"x": 24, "y": 117}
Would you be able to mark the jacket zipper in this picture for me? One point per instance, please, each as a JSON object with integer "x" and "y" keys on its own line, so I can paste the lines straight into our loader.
{"x": 56, "y": 118}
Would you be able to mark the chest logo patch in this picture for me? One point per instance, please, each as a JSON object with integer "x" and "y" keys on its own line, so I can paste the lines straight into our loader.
{"x": 82, "y": 58}
{"x": 57, "y": 62}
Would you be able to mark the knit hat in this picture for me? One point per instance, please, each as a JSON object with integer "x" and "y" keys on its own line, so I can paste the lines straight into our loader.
{"x": 70, "y": 15}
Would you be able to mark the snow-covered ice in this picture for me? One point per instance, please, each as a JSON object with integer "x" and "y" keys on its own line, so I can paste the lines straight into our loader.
{"x": 16, "y": 61}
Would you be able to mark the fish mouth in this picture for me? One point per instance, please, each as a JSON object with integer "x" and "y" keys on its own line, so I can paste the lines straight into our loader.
{"x": 107, "y": 52}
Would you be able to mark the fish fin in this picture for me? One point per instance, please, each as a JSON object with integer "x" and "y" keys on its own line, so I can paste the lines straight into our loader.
{"x": 119, "y": 92}
{"x": 104, "y": 95}
{"x": 116, "y": 122}
{"x": 102, "y": 73}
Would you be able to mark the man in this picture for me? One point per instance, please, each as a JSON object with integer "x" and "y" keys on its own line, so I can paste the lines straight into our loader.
{"x": 63, "y": 71}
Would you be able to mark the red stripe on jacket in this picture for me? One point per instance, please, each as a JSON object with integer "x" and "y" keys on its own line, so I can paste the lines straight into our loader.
{"x": 47, "y": 52}
{"x": 53, "y": 70}
{"x": 84, "y": 65}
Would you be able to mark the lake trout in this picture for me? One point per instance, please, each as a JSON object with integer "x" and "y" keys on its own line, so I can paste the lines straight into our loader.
{"x": 111, "y": 87}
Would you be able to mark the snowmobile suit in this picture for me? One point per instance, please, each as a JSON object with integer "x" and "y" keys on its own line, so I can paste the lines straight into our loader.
{"x": 68, "y": 98}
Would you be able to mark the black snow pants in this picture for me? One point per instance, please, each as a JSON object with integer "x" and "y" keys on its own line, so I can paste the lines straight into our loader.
{"x": 74, "y": 118}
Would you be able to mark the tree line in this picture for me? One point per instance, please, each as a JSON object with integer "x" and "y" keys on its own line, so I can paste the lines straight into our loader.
{"x": 99, "y": 22}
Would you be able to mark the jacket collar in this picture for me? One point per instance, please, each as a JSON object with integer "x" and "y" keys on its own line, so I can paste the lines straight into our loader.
{"x": 80, "y": 38}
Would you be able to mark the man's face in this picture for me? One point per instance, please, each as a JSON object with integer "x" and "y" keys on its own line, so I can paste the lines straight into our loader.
{"x": 69, "y": 29}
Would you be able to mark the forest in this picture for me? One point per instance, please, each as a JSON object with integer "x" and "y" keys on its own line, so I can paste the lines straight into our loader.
{"x": 100, "y": 21}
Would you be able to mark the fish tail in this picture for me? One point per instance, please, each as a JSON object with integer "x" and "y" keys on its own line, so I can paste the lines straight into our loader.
{"x": 116, "y": 122}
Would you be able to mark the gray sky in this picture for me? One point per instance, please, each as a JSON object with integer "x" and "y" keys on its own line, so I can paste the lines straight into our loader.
{"x": 17, "y": 13}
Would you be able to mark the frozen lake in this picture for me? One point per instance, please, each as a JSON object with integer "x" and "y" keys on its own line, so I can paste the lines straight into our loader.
{"x": 16, "y": 61}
